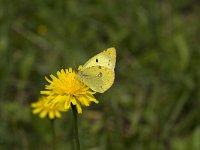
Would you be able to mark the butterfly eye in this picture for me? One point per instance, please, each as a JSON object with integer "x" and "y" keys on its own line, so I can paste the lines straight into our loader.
{"x": 97, "y": 60}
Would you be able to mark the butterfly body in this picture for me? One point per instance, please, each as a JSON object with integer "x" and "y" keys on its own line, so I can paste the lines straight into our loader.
{"x": 98, "y": 72}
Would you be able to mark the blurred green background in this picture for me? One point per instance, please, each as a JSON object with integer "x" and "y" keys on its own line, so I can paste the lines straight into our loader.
{"x": 154, "y": 102}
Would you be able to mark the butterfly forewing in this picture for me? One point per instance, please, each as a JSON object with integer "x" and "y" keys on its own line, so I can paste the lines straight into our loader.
{"x": 107, "y": 58}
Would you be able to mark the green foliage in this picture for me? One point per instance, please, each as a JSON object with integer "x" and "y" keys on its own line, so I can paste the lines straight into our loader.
{"x": 154, "y": 102}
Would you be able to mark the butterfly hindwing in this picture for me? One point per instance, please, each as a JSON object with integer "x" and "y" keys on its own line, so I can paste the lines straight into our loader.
{"x": 99, "y": 78}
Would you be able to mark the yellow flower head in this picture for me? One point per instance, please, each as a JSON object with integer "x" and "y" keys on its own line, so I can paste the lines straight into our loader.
{"x": 66, "y": 89}
{"x": 43, "y": 110}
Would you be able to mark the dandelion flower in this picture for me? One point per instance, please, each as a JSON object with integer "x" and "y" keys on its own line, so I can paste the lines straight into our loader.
{"x": 43, "y": 110}
{"x": 66, "y": 89}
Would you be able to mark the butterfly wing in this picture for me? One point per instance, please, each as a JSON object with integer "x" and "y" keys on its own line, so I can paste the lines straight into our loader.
{"x": 98, "y": 78}
{"x": 107, "y": 58}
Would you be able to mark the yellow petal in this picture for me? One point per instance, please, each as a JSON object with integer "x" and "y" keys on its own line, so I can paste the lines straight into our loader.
{"x": 48, "y": 80}
{"x": 37, "y": 110}
{"x": 43, "y": 114}
{"x": 73, "y": 100}
{"x": 51, "y": 114}
{"x": 57, "y": 114}
{"x": 78, "y": 107}
{"x": 45, "y": 92}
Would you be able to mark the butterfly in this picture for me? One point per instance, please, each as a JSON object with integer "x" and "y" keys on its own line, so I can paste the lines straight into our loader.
{"x": 98, "y": 72}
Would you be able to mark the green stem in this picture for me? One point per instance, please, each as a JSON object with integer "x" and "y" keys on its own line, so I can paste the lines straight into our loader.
{"x": 76, "y": 137}
{"x": 53, "y": 133}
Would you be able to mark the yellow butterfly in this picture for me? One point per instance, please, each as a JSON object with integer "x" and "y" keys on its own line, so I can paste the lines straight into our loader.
{"x": 98, "y": 72}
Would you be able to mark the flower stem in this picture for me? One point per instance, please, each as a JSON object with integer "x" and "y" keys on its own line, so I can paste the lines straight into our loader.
{"x": 53, "y": 133}
{"x": 76, "y": 137}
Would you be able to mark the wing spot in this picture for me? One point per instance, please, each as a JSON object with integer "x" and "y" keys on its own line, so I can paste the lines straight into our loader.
{"x": 97, "y": 60}
{"x": 100, "y": 74}
{"x": 99, "y": 67}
